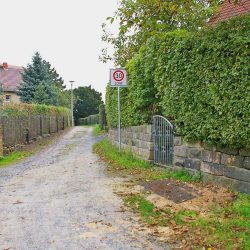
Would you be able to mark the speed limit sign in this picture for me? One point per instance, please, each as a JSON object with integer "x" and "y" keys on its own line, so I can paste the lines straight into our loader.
{"x": 118, "y": 78}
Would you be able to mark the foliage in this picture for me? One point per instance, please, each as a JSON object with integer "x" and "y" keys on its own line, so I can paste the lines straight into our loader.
{"x": 90, "y": 120}
{"x": 97, "y": 130}
{"x": 41, "y": 96}
{"x": 102, "y": 117}
{"x": 198, "y": 79}
{"x": 25, "y": 109}
{"x": 41, "y": 80}
{"x": 141, "y": 19}
{"x": 87, "y": 103}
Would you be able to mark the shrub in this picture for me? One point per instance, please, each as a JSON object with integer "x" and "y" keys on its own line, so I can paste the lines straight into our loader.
{"x": 24, "y": 109}
{"x": 199, "y": 80}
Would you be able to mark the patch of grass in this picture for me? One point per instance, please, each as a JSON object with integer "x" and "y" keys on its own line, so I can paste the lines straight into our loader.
{"x": 123, "y": 160}
{"x": 126, "y": 160}
{"x": 221, "y": 227}
{"x": 227, "y": 227}
{"x": 13, "y": 158}
{"x": 97, "y": 130}
{"x": 180, "y": 216}
{"x": 146, "y": 210}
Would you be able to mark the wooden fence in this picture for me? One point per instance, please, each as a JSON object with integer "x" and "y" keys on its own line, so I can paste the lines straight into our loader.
{"x": 20, "y": 130}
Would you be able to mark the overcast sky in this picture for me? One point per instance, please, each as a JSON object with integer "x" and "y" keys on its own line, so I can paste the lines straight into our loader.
{"x": 67, "y": 33}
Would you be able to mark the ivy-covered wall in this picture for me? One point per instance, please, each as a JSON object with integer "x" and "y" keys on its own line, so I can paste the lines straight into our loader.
{"x": 198, "y": 80}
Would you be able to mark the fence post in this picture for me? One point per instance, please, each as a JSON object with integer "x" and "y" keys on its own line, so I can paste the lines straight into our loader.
{"x": 1, "y": 141}
{"x": 63, "y": 123}
{"x": 57, "y": 129}
{"x": 41, "y": 125}
{"x": 49, "y": 124}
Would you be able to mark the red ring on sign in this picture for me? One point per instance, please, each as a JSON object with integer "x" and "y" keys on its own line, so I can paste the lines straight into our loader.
{"x": 118, "y": 71}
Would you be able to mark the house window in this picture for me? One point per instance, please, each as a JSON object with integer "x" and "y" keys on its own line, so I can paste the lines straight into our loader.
{"x": 7, "y": 98}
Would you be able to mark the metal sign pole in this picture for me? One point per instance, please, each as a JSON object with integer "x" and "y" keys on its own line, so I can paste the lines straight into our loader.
{"x": 119, "y": 119}
{"x": 118, "y": 79}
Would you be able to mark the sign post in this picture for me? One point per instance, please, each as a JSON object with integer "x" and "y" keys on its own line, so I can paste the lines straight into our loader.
{"x": 118, "y": 79}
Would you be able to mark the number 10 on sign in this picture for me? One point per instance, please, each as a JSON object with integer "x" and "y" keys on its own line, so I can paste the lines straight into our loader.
{"x": 118, "y": 79}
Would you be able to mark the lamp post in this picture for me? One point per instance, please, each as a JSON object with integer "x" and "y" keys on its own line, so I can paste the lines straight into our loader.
{"x": 72, "y": 107}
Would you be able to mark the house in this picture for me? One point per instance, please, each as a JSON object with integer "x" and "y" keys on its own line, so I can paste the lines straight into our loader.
{"x": 229, "y": 9}
{"x": 10, "y": 80}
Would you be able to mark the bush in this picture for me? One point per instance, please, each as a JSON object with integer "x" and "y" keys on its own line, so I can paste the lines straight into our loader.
{"x": 90, "y": 120}
{"x": 200, "y": 80}
{"x": 24, "y": 109}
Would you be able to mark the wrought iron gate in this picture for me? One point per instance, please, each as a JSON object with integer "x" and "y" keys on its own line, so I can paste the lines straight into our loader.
{"x": 163, "y": 132}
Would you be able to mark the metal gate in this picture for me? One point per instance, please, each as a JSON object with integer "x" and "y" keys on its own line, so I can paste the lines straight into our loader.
{"x": 163, "y": 132}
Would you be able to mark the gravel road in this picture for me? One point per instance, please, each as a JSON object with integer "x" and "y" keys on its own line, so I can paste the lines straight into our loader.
{"x": 61, "y": 198}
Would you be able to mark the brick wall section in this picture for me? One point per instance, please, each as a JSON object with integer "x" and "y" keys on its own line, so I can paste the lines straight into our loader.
{"x": 222, "y": 166}
{"x": 228, "y": 10}
{"x": 138, "y": 139}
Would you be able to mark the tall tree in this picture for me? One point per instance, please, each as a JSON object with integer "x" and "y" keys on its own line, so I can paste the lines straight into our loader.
{"x": 39, "y": 77}
{"x": 57, "y": 79}
{"x": 140, "y": 19}
{"x": 87, "y": 103}
{"x": 41, "y": 96}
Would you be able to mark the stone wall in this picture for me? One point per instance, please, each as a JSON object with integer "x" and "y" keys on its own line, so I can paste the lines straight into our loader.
{"x": 220, "y": 166}
{"x": 138, "y": 139}
{"x": 217, "y": 165}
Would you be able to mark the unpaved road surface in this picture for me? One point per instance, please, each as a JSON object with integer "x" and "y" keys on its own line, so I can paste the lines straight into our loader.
{"x": 61, "y": 198}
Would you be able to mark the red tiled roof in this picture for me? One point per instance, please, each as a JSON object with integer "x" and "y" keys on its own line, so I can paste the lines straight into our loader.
{"x": 10, "y": 79}
{"x": 229, "y": 9}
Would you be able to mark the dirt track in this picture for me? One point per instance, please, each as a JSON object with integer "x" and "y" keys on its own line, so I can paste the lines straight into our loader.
{"x": 61, "y": 198}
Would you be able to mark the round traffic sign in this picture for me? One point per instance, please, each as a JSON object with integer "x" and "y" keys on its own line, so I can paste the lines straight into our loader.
{"x": 118, "y": 75}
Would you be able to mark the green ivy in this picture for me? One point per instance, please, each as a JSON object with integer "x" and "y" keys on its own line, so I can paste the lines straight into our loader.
{"x": 199, "y": 80}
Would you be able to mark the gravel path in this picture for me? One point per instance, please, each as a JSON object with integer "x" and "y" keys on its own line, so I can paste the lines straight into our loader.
{"x": 61, "y": 198}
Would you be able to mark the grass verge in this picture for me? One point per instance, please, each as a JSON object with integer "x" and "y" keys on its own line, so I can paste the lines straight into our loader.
{"x": 224, "y": 226}
{"x": 13, "y": 158}
{"x": 125, "y": 161}
{"x": 29, "y": 149}
{"x": 97, "y": 130}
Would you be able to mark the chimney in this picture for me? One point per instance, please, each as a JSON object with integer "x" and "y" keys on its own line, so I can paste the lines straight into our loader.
{"x": 5, "y": 66}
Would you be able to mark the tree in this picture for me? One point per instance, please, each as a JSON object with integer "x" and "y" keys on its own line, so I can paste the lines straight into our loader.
{"x": 57, "y": 80}
{"x": 141, "y": 19}
{"x": 33, "y": 75}
{"x": 40, "y": 79}
{"x": 41, "y": 96}
{"x": 87, "y": 103}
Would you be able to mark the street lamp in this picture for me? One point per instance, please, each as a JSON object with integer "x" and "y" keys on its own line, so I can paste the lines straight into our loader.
{"x": 72, "y": 107}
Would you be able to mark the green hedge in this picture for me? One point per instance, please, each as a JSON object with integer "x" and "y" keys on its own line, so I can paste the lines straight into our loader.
{"x": 25, "y": 109}
{"x": 199, "y": 80}
{"x": 90, "y": 120}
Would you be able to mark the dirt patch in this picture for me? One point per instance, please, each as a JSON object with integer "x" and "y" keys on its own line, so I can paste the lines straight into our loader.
{"x": 179, "y": 195}
{"x": 172, "y": 190}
